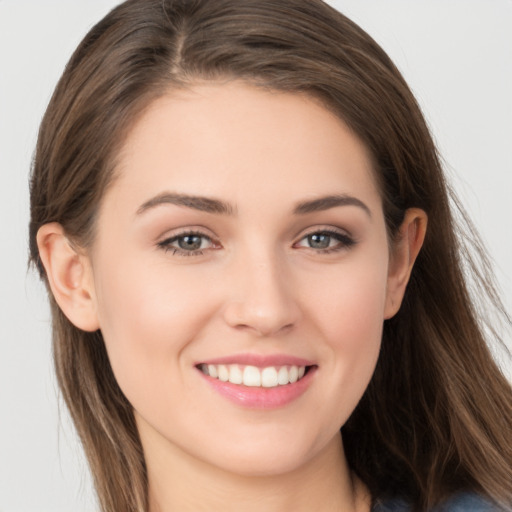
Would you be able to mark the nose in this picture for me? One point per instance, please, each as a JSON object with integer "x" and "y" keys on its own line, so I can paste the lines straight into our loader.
{"x": 262, "y": 298}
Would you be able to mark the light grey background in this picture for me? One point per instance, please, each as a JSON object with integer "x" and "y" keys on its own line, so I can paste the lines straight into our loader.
{"x": 455, "y": 54}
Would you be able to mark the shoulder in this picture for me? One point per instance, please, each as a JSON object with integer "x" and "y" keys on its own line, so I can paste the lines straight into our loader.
{"x": 464, "y": 502}
{"x": 469, "y": 502}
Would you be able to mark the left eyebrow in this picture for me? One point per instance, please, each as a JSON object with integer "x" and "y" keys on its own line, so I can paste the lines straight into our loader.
{"x": 328, "y": 202}
{"x": 201, "y": 203}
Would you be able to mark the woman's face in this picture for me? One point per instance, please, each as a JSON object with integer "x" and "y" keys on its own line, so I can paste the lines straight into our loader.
{"x": 240, "y": 276}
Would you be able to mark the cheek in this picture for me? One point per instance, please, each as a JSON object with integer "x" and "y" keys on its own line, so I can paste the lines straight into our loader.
{"x": 350, "y": 318}
{"x": 350, "y": 302}
{"x": 147, "y": 317}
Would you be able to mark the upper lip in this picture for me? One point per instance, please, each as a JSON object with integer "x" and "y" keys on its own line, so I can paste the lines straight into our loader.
{"x": 260, "y": 360}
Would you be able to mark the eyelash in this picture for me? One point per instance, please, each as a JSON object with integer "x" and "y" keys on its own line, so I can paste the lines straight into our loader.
{"x": 166, "y": 244}
{"x": 344, "y": 242}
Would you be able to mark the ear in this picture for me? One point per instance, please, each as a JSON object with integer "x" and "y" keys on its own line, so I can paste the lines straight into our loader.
{"x": 69, "y": 276}
{"x": 403, "y": 255}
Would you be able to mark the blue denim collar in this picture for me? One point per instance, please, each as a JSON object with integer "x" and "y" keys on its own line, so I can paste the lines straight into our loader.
{"x": 462, "y": 502}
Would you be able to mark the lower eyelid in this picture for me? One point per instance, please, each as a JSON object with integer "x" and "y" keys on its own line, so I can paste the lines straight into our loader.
{"x": 181, "y": 252}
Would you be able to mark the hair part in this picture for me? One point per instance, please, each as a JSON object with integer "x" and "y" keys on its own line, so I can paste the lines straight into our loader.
{"x": 436, "y": 417}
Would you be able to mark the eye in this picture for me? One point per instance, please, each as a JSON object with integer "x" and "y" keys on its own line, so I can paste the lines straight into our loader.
{"x": 326, "y": 241}
{"x": 187, "y": 244}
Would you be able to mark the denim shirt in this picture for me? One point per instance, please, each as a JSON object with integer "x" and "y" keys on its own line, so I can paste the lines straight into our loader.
{"x": 460, "y": 503}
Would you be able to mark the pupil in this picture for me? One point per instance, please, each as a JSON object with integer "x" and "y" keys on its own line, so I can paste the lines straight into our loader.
{"x": 319, "y": 241}
{"x": 190, "y": 242}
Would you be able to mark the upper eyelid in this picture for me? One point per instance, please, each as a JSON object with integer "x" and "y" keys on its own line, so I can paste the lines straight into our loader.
{"x": 344, "y": 238}
{"x": 179, "y": 232}
{"x": 322, "y": 229}
{"x": 166, "y": 244}
{"x": 340, "y": 237}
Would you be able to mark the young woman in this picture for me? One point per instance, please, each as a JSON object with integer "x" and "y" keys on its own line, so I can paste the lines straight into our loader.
{"x": 257, "y": 288}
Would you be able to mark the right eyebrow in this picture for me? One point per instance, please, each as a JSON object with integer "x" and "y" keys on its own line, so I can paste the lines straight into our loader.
{"x": 328, "y": 202}
{"x": 201, "y": 203}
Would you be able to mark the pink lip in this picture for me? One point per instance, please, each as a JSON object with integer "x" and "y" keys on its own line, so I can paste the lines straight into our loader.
{"x": 260, "y": 397}
{"x": 260, "y": 360}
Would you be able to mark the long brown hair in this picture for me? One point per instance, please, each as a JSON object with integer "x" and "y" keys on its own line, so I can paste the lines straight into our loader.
{"x": 437, "y": 415}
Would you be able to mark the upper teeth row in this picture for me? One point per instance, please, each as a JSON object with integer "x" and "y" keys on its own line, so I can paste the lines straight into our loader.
{"x": 268, "y": 377}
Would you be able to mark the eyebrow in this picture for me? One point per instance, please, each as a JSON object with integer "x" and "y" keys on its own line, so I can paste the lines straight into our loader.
{"x": 328, "y": 202}
{"x": 216, "y": 206}
{"x": 203, "y": 204}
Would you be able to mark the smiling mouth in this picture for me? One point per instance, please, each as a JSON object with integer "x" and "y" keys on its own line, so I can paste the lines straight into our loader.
{"x": 252, "y": 376}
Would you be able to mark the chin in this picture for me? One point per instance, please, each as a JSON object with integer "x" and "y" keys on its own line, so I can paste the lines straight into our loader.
{"x": 270, "y": 457}
{"x": 264, "y": 465}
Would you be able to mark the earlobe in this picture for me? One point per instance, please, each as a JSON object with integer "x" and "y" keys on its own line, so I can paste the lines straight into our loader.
{"x": 69, "y": 276}
{"x": 403, "y": 255}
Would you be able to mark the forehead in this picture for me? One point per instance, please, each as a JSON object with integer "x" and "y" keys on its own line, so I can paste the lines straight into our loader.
{"x": 233, "y": 138}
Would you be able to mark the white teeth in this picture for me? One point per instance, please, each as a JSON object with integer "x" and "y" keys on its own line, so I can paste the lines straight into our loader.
{"x": 223, "y": 373}
{"x": 235, "y": 374}
{"x": 282, "y": 376}
{"x": 269, "y": 377}
{"x": 251, "y": 376}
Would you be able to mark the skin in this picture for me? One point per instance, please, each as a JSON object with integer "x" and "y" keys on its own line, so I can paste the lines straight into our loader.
{"x": 256, "y": 286}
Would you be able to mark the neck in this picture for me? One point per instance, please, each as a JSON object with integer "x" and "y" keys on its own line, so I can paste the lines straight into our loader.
{"x": 325, "y": 483}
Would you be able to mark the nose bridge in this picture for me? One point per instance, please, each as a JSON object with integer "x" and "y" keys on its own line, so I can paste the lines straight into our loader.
{"x": 262, "y": 299}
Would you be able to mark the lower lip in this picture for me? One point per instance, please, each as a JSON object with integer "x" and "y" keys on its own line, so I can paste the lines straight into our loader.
{"x": 260, "y": 397}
